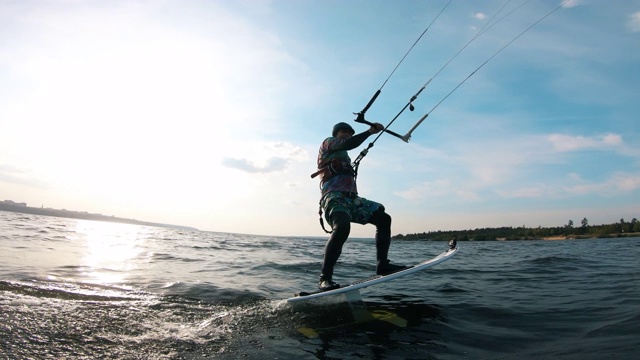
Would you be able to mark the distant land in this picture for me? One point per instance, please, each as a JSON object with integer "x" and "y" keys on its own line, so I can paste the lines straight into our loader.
{"x": 9, "y": 205}
{"x": 566, "y": 232}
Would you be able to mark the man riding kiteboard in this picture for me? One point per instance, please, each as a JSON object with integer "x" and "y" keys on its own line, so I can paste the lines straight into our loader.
{"x": 342, "y": 205}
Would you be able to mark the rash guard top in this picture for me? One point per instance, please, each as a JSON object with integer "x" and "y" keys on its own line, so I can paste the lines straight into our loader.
{"x": 333, "y": 151}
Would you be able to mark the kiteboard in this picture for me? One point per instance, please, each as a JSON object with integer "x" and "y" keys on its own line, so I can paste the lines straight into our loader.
{"x": 352, "y": 290}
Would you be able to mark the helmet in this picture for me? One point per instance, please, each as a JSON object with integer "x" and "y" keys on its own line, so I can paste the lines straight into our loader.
{"x": 341, "y": 126}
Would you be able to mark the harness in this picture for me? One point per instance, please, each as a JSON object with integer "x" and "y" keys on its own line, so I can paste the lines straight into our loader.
{"x": 330, "y": 170}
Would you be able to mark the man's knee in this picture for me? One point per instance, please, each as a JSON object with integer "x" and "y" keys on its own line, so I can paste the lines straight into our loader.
{"x": 380, "y": 218}
{"x": 341, "y": 222}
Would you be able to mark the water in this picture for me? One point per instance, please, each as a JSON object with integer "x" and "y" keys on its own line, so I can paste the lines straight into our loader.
{"x": 77, "y": 289}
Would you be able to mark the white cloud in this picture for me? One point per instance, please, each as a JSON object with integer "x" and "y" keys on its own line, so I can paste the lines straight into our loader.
{"x": 634, "y": 22}
{"x": 566, "y": 143}
{"x": 574, "y": 185}
{"x": 612, "y": 139}
{"x": 270, "y": 157}
{"x": 426, "y": 189}
{"x": 16, "y": 175}
{"x": 571, "y": 3}
{"x": 526, "y": 192}
{"x": 626, "y": 182}
{"x": 270, "y": 165}
{"x": 437, "y": 189}
{"x": 617, "y": 184}
{"x": 588, "y": 189}
{"x": 480, "y": 16}
{"x": 505, "y": 168}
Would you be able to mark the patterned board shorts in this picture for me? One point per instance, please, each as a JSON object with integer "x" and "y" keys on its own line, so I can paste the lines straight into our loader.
{"x": 359, "y": 208}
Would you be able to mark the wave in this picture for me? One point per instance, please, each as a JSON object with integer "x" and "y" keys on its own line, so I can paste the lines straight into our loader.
{"x": 66, "y": 291}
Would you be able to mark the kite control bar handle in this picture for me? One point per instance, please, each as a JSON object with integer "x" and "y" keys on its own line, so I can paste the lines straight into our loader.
{"x": 360, "y": 119}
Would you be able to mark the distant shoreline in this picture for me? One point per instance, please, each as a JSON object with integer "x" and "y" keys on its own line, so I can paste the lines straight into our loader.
{"x": 591, "y": 236}
{"x": 542, "y": 238}
{"x": 583, "y": 237}
{"x": 488, "y": 235}
{"x": 82, "y": 215}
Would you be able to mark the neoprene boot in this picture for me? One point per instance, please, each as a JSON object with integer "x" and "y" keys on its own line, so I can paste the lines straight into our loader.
{"x": 326, "y": 283}
{"x": 385, "y": 267}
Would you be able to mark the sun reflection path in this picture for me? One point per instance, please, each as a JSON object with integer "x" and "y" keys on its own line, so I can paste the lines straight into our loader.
{"x": 113, "y": 250}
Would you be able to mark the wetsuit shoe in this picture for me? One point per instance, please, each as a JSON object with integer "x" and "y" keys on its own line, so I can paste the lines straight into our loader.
{"x": 327, "y": 284}
{"x": 386, "y": 268}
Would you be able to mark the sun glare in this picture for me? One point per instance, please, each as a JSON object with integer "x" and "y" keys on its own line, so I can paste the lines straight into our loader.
{"x": 112, "y": 250}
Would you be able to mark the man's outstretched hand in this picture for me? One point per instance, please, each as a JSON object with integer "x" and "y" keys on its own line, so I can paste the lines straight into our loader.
{"x": 376, "y": 128}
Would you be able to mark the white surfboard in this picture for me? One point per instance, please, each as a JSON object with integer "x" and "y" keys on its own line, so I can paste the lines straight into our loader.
{"x": 352, "y": 292}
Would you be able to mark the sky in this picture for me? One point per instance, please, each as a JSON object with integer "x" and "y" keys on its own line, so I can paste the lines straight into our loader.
{"x": 209, "y": 114}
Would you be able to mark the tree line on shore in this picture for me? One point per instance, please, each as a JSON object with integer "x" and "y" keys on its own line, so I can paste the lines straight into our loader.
{"x": 619, "y": 229}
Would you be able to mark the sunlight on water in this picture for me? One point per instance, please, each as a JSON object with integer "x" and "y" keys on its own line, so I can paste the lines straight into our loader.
{"x": 111, "y": 250}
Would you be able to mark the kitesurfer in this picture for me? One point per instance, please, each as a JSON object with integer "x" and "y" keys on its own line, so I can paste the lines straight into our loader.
{"x": 342, "y": 205}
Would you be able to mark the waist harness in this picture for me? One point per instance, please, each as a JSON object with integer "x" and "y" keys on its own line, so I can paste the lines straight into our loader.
{"x": 330, "y": 170}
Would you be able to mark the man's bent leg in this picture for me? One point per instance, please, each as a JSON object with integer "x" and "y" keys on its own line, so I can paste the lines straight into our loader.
{"x": 382, "y": 221}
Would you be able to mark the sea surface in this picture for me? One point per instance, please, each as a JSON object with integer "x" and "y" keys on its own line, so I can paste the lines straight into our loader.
{"x": 77, "y": 289}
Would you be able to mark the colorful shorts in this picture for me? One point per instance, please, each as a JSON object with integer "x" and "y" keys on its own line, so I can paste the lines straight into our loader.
{"x": 360, "y": 209}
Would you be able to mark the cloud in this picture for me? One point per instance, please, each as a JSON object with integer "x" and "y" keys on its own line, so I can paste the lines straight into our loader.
{"x": 267, "y": 158}
{"x": 626, "y": 182}
{"x": 507, "y": 168}
{"x": 433, "y": 189}
{"x": 287, "y": 150}
{"x": 426, "y": 189}
{"x": 271, "y": 165}
{"x": 526, "y": 192}
{"x": 634, "y": 22}
{"x": 480, "y": 16}
{"x": 571, "y": 3}
{"x": 565, "y": 143}
{"x": 618, "y": 183}
{"x": 14, "y": 175}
